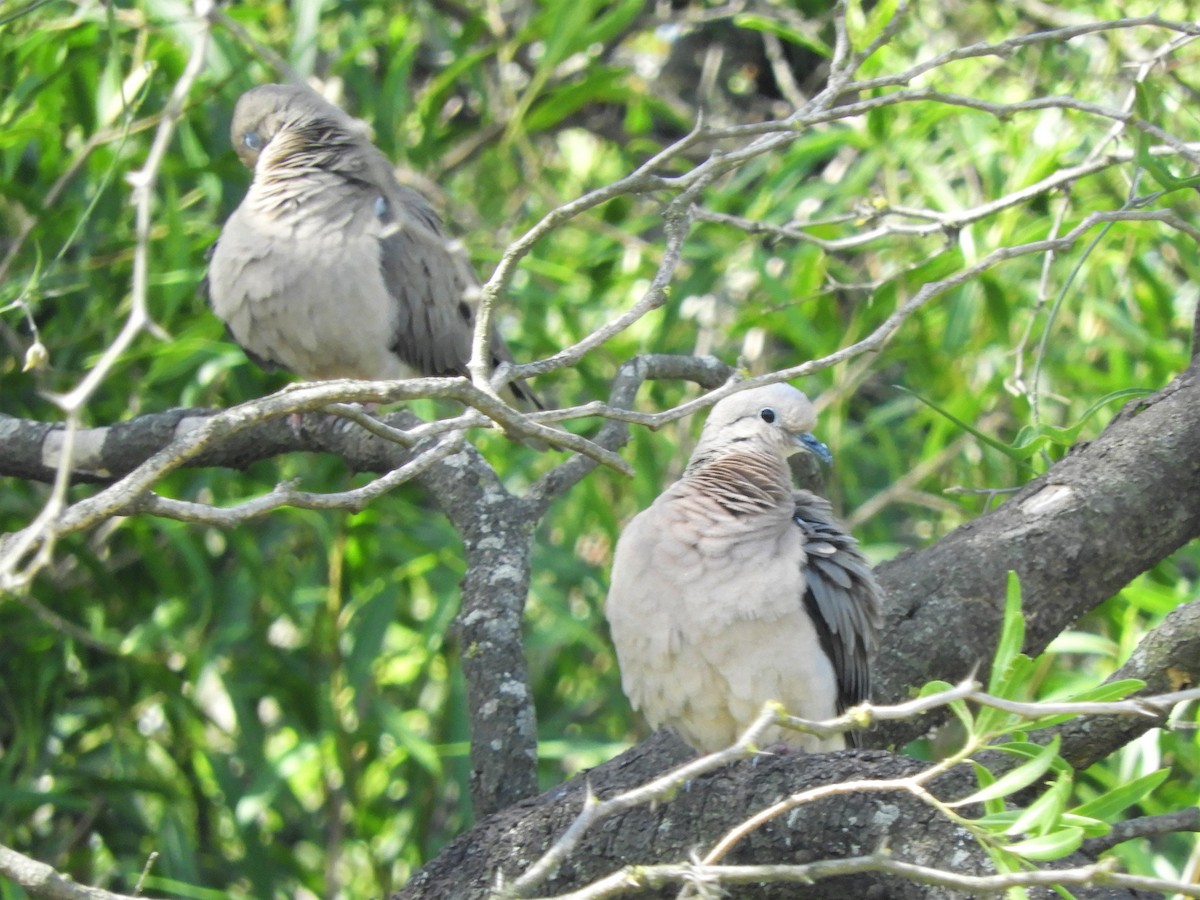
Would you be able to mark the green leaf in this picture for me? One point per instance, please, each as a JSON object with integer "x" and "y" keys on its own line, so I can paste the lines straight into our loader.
{"x": 1054, "y": 845}
{"x": 565, "y": 29}
{"x": 998, "y": 822}
{"x": 1012, "y": 636}
{"x": 610, "y": 23}
{"x": 994, "y": 806}
{"x": 1156, "y": 168}
{"x": 1016, "y": 685}
{"x": 770, "y": 25}
{"x": 599, "y": 85}
{"x": 1020, "y": 777}
{"x": 1108, "y": 805}
{"x": 1045, "y": 813}
{"x": 1031, "y": 438}
{"x": 958, "y": 707}
{"x": 929, "y": 688}
{"x": 866, "y": 25}
{"x": 1111, "y": 690}
{"x": 992, "y": 442}
{"x": 1091, "y": 827}
{"x": 1081, "y": 642}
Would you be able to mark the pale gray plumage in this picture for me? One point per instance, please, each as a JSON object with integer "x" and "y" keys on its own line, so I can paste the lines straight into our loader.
{"x": 329, "y": 267}
{"x": 733, "y": 589}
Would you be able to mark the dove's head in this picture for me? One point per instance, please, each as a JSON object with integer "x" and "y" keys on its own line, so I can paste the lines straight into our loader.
{"x": 776, "y": 418}
{"x": 264, "y": 113}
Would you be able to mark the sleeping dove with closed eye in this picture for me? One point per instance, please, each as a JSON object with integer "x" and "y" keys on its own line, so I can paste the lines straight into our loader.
{"x": 330, "y": 268}
{"x": 733, "y": 589}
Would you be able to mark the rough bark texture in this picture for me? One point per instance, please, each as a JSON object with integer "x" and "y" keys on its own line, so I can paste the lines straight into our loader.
{"x": 496, "y": 535}
{"x": 694, "y": 820}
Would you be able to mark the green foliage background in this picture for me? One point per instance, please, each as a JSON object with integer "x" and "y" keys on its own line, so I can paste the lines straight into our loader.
{"x": 278, "y": 710}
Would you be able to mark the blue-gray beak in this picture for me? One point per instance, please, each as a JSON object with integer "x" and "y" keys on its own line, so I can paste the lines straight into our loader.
{"x": 812, "y": 445}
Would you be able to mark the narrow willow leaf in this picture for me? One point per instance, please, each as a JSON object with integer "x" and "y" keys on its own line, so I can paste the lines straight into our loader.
{"x": 1032, "y": 438}
{"x": 1091, "y": 827}
{"x": 934, "y": 687}
{"x": 1031, "y": 750}
{"x": 1020, "y": 777}
{"x": 995, "y": 806}
{"x": 1012, "y": 634}
{"x": 1010, "y": 452}
{"x": 998, "y": 822}
{"x": 1145, "y": 106}
{"x": 772, "y": 25}
{"x": 868, "y": 22}
{"x": 958, "y": 707}
{"x": 1054, "y": 845}
{"x": 1045, "y": 813}
{"x": 1107, "y": 805}
{"x": 1112, "y": 690}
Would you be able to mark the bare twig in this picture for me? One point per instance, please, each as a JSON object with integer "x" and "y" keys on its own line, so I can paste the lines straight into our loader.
{"x": 1005, "y": 48}
{"x": 782, "y": 69}
{"x": 43, "y": 882}
{"x": 678, "y": 221}
{"x": 877, "y": 338}
{"x": 287, "y": 494}
{"x": 261, "y": 50}
{"x": 17, "y": 568}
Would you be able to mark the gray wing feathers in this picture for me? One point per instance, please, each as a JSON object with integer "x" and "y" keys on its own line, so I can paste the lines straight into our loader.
{"x": 435, "y": 289}
{"x": 842, "y": 598}
{"x": 432, "y": 286}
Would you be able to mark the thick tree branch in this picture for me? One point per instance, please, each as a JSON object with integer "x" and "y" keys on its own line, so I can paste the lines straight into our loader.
{"x": 1181, "y": 820}
{"x": 1167, "y": 659}
{"x": 1107, "y": 512}
{"x": 671, "y": 831}
{"x": 1196, "y": 339}
{"x": 696, "y": 816}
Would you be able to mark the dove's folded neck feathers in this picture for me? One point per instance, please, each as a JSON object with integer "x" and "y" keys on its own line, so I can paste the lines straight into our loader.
{"x": 744, "y": 482}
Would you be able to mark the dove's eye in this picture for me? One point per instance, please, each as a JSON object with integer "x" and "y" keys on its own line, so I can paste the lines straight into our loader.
{"x": 252, "y": 140}
{"x": 767, "y": 414}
